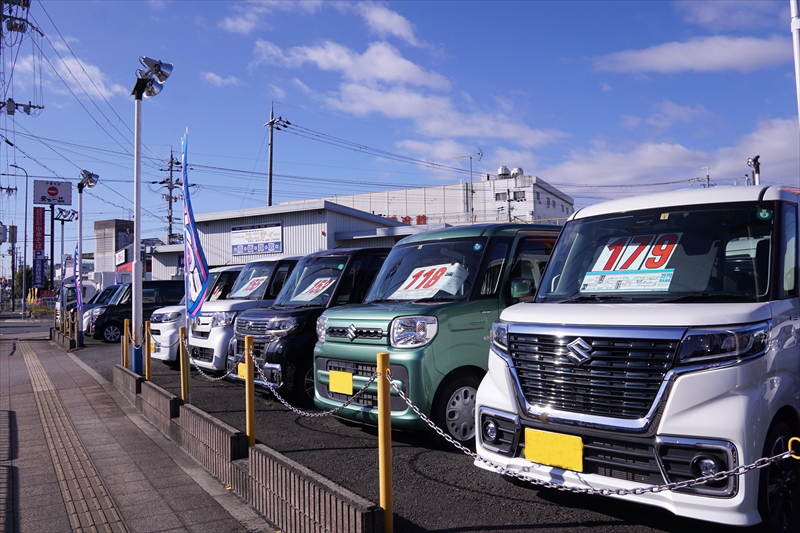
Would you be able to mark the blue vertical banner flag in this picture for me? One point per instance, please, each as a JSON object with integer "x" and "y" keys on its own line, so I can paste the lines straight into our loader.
{"x": 63, "y": 272}
{"x": 76, "y": 275}
{"x": 196, "y": 268}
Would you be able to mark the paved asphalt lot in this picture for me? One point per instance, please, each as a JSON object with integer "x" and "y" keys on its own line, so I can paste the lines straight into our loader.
{"x": 436, "y": 488}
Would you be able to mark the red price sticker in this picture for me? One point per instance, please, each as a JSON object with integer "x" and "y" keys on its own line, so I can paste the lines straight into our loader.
{"x": 640, "y": 252}
{"x": 315, "y": 289}
{"x": 424, "y": 282}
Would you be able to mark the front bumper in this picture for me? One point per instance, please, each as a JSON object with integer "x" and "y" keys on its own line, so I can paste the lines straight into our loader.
{"x": 714, "y": 413}
{"x": 360, "y": 360}
{"x": 278, "y": 358}
{"x": 208, "y": 347}
{"x": 165, "y": 340}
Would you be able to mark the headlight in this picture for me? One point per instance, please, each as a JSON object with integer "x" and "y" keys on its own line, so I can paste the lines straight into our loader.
{"x": 165, "y": 317}
{"x": 322, "y": 326}
{"x": 715, "y": 344}
{"x": 223, "y": 319}
{"x": 413, "y": 331}
{"x": 499, "y": 336}
{"x": 98, "y": 310}
{"x": 280, "y": 327}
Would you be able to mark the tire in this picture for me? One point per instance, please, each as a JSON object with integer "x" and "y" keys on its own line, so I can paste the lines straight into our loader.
{"x": 303, "y": 385}
{"x": 454, "y": 408}
{"x": 779, "y": 484}
{"x": 111, "y": 333}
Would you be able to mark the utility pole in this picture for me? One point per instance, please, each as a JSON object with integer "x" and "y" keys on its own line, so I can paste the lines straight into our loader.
{"x": 471, "y": 197}
{"x": 708, "y": 177}
{"x": 171, "y": 184}
{"x": 273, "y": 123}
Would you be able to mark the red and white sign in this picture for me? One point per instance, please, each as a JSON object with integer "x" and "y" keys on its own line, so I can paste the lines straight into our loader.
{"x": 639, "y": 252}
{"x": 314, "y": 290}
{"x": 52, "y": 192}
{"x": 251, "y": 286}
{"x": 424, "y": 282}
{"x": 38, "y": 228}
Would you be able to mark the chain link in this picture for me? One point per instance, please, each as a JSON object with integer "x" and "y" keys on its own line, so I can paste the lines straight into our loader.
{"x": 130, "y": 336}
{"x": 150, "y": 332}
{"x": 209, "y": 377}
{"x": 738, "y": 471}
{"x": 307, "y": 414}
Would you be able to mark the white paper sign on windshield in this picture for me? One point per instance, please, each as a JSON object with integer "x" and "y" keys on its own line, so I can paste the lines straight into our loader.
{"x": 634, "y": 263}
{"x": 251, "y": 286}
{"x": 424, "y": 282}
{"x": 314, "y": 290}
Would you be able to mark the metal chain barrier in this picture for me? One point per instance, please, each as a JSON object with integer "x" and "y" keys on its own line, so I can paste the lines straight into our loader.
{"x": 162, "y": 344}
{"x": 209, "y": 377}
{"x": 130, "y": 336}
{"x": 738, "y": 471}
{"x": 308, "y": 414}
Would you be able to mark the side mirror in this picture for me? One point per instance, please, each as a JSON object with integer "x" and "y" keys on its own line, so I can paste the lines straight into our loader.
{"x": 520, "y": 288}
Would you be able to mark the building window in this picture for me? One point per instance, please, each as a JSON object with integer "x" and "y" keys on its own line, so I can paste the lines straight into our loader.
{"x": 519, "y": 196}
{"x": 538, "y": 197}
{"x": 548, "y": 202}
{"x": 500, "y": 197}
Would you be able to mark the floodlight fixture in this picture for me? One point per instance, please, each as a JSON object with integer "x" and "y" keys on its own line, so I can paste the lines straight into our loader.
{"x": 88, "y": 180}
{"x": 160, "y": 70}
{"x": 753, "y": 162}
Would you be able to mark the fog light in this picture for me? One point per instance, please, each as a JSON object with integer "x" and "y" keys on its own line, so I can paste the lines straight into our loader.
{"x": 708, "y": 467}
{"x": 490, "y": 430}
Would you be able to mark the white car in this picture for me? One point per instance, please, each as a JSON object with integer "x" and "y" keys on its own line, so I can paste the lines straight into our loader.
{"x": 165, "y": 323}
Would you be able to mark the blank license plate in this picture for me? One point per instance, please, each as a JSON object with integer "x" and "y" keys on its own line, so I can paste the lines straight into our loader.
{"x": 341, "y": 382}
{"x": 241, "y": 370}
{"x": 554, "y": 449}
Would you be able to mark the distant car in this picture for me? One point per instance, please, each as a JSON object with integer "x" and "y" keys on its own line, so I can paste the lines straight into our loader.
{"x": 108, "y": 320}
{"x": 101, "y": 298}
{"x": 165, "y": 323}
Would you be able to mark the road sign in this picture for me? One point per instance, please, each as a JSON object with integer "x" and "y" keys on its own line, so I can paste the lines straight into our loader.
{"x": 52, "y": 192}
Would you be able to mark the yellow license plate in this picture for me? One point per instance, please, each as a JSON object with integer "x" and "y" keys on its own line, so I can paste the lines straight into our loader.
{"x": 341, "y": 382}
{"x": 241, "y": 370}
{"x": 554, "y": 449}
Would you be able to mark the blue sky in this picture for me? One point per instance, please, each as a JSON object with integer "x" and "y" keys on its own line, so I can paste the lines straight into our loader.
{"x": 603, "y": 99}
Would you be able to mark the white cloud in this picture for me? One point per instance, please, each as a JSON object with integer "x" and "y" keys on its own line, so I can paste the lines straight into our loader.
{"x": 277, "y": 92}
{"x": 705, "y": 54}
{"x": 77, "y": 75}
{"x": 385, "y": 22}
{"x": 381, "y": 62}
{"x": 605, "y": 87}
{"x": 218, "y": 81}
{"x": 436, "y": 116}
{"x": 668, "y": 113}
{"x": 652, "y": 163}
{"x": 246, "y": 18}
{"x": 721, "y": 15}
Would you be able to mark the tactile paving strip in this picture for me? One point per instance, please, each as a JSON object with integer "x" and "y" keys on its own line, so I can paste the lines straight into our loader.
{"x": 89, "y": 506}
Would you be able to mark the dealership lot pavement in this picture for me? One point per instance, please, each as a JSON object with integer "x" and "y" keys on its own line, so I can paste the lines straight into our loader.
{"x": 436, "y": 488}
{"x": 75, "y": 456}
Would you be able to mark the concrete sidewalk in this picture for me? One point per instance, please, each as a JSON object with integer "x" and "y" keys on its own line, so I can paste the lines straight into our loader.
{"x": 76, "y": 456}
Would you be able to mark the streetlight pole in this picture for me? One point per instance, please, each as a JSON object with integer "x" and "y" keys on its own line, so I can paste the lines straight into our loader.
{"x": 88, "y": 181}
{"x": 24, "y": 245}
{"x": 148, "y": 84}
{"x": 273, "y": 123}
{"x": 64, "y": 215}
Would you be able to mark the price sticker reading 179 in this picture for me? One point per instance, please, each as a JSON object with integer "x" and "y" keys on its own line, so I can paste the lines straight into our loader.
{"x": 640, "y": 252}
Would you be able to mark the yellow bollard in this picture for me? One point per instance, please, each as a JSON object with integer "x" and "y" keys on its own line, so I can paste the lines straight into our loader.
{"x": 185, "y": 384}
{"x": 147, "y": 345}
{"x": 385, "y": 442}
{"x": 74, "y": 322}
{"x": 54, "y": 320}
{"x": 250, "y": 392}
{"x": 125, "y": 343}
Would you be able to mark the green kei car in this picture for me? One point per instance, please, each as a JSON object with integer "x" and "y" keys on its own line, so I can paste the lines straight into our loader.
{"x": 431, "y": 307}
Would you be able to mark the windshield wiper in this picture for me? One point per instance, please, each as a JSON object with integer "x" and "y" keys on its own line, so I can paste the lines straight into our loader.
{"x": 440, "y": 299}
{"x": 385, "y": 300}
{"x": 705, "y": 296}
{"x": 596, "y": 298}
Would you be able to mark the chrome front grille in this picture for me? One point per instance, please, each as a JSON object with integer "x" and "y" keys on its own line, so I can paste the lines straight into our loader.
{"x": 252, "y": 327}
{"x": 353, "y": 333}
{"x": 620, "y": 378}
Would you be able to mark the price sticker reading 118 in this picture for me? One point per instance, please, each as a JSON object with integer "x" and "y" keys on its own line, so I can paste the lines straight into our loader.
{"x": 639, "y": 252}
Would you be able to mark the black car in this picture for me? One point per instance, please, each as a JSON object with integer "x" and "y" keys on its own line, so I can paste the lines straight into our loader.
{"x": 107, "y": 321}
{"x": 284, "y": 335}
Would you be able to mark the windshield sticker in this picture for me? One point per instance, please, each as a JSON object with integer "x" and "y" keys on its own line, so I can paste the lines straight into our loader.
{"x": 248, "y": 289}
{"x": 640, "y": 252}
{"x": 764, "y": 214}
{"x": 477, "y": 246}
{"x": 424, "y": 282}
{"x": 650, "y": 280}
{"x": 314, "y": 290}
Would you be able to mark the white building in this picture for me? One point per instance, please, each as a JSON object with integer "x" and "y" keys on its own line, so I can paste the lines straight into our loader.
{"x": 505, "y": 197}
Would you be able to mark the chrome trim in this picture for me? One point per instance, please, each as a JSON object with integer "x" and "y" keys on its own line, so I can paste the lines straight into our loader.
{"x": 645, "y": 426}
{"x": 702, "y": 444}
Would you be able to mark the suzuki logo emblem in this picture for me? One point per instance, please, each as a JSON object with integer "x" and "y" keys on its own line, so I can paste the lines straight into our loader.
{"x": 351, "y": 332}
{"x": 579, "y": 351}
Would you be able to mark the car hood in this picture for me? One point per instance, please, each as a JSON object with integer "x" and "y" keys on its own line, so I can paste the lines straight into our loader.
{"x": 225, "y": 306}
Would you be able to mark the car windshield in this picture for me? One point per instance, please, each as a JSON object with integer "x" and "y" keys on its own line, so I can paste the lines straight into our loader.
{"x": 429, "y": 270}
{"x": 123, "y": 295}
{"x": 221, "y": 284}
{"x": 699, "y": 253}
{"x": 252, "y": 282}
{"x": 312, "y": 282}
{"x": 105, "y": 295}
